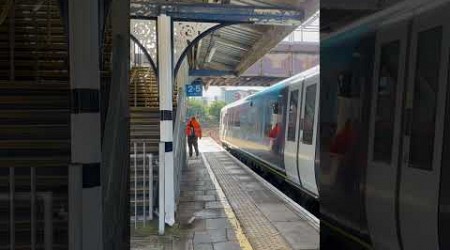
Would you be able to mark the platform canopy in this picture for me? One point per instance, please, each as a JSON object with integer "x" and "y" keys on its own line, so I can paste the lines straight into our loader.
{"x": 234, "y": 34}
{"x": 285, "y": 60}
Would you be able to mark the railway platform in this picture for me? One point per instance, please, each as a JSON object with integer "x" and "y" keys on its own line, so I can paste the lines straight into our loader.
{"x": 224, "y": 205}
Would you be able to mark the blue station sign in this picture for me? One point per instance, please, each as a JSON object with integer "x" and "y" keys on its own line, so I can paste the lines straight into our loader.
{"x": 195, "y": 88}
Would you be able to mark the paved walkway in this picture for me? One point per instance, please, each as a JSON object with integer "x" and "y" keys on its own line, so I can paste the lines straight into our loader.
{"x": 268, "y": 218}
{"x": 225, "y": 206}
{"x": 204, "y": 219}
{"x": 203, "y": 210}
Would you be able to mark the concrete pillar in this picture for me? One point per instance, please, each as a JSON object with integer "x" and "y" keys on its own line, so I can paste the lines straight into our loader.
{"x": 85, "y": 194}
{"x": 165, "y": 74}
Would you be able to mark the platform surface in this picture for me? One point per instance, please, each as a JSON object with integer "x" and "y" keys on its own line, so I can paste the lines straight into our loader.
{"x": 201, "y": 220}
{"x": 225, "y": 206}
{"x": 269, "y": 220}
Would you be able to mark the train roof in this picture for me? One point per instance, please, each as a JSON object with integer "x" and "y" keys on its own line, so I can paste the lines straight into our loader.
{"x": 278, "y": 86}
{"x": 393, "y": 14}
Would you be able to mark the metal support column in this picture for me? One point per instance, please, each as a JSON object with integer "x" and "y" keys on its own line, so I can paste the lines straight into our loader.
{"x": 85, "y": 192}
{"x": 135, "y": 184}
{"x": 161, "y": 194}
{"x": 12, "y": 219}
{"x": 75, "y": 211}
{"x": 150, "y": 187}
{"x": 143, "y": 181}
{"x": 48, "y": 221}
{"x": 33, "y": 208}
{"x": 165, "y": 69}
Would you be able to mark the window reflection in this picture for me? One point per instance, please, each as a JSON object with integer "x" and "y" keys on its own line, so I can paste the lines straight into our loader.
{"x": 310, "y": 111}
{"x": 385, "y": 113}
{"x": 292, "y": 123}
{"x": 425, "y": 96}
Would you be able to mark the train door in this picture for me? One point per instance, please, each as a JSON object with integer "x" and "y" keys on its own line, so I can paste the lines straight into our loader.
{"x": 292, "y": 132}
{"x": 423, "y": 132}
{"x": 306, "y": 150}
{"x": 384, "y": 135}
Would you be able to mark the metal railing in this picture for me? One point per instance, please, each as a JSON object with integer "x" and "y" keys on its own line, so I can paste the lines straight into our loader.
{"x": 142, "y": 185}
{"x": 46, "y": 198}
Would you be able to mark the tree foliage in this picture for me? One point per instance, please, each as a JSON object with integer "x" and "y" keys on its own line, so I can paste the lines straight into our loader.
{"x": 214, "y": 110}
{"x": 207, "y": 115}
{"x": 196, "y": 108}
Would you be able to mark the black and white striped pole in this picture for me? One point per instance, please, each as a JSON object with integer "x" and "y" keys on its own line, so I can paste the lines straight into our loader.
{"x": 166, "y": 169}
{"x": 85, "y": 193}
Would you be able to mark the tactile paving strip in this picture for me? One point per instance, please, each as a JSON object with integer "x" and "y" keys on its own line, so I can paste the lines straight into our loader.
{"x": 258, "y": 229}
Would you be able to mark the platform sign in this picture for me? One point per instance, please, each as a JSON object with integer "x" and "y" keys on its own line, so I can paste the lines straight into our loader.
{"x": 195, "y": 88}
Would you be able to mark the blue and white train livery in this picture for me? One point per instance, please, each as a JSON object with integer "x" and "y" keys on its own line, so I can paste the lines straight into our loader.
{"x": 278, "y": 127}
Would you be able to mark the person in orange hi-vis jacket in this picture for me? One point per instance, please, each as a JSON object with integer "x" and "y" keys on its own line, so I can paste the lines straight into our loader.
{"x": 273, "y": 135}
{"x": 193, "y": 133}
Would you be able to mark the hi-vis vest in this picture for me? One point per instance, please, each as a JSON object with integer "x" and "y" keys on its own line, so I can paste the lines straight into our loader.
{"x": 193, "y": 129}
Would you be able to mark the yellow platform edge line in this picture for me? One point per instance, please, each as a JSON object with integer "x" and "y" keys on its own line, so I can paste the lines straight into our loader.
{"x": 244, "y": 243}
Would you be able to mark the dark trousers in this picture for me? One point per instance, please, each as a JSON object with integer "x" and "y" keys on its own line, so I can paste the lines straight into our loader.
{"x": 193, "y": 141}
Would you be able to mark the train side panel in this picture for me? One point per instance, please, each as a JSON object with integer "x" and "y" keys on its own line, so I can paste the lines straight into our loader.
{"x": 384, "y": 107}
{"x": 249, "y": 126}
{"x": 281, "y": 135}
{"x": 347, "y": 65}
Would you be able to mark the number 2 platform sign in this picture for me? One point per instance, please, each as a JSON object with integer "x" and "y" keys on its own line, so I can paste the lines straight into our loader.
{"x": 195, "y": 88}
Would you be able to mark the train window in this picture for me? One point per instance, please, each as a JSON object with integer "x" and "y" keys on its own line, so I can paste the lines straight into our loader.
{"x": 425, "y": 95}
{"x": 237, "y": 119}
{"x": 310, "y": 111}
{"x": 275, "y": 108}
{"x": 268, "y": 111}
{"x": 231, "y": 118}
{"x": 292, "y": 123}
{"x": 385, "y": 113}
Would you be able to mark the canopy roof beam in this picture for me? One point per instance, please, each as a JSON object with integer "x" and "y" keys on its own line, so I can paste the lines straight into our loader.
{"x": 216, "y": 13}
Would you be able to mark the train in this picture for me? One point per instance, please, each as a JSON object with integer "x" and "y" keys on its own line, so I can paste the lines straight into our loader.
{"x": 377, "y": 132}
{"x": 278, "y": 128}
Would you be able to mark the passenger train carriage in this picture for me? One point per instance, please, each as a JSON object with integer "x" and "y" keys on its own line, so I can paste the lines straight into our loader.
{"x": 278, "y": 126}
{"x": 384, "y": 141}
{"x": 384, "y": 127}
